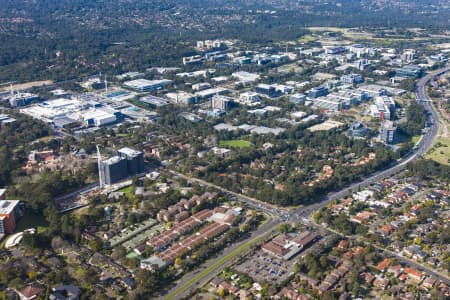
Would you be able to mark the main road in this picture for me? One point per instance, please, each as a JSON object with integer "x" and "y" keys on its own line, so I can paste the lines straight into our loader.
{"x": 420, "y": 149}
{"x": 192, "y": 281}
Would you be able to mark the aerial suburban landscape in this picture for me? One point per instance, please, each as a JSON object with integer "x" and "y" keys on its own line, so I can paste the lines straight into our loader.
{"x": 224, "y": 149}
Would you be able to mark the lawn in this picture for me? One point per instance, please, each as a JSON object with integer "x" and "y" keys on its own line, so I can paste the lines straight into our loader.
{"x": 415, "y": 139}
{"x": 128, "y": 192}
{"x": 440, "y": 152}
{"x": 235, "y": 144}
{"x": 307, "y": 38}
{"x": 122, "y": 134}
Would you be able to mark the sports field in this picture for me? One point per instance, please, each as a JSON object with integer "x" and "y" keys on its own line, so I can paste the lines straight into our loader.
{"x": 235, "y": 144}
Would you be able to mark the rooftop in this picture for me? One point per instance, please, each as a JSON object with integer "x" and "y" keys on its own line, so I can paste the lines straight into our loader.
{"x": 7, "y": 206}
{"x": 129, "y": 152}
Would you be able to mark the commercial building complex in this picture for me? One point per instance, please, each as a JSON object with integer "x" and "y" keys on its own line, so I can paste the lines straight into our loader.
{"x": 144, "y": 85}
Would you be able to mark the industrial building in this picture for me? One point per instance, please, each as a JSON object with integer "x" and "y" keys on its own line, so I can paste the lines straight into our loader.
{"x": 9, "y": 213}
{"x": 387, "y": 132}
{"x": 127, "y": 162}
{"x": 87, "y": 112}
{"x": 144, "y": 85}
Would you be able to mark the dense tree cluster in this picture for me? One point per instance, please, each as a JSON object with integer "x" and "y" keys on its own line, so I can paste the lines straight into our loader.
{"x": 416, "y": 117}
{"x": 14, "y": 140}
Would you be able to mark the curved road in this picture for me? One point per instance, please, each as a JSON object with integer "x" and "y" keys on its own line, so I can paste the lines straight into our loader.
{"x": 420, "y": 149}
{"x": 303, "y": 213}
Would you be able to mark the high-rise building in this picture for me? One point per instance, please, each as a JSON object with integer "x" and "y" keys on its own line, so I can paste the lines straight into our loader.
{"x": 387, "y": 132}
{"x": 127, "y": 162}
{"x": 9, "y": 213}
{"x": 134, "y": 158}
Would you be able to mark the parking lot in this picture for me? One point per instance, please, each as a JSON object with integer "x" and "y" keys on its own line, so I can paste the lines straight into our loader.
{"x": 262, "y": 266}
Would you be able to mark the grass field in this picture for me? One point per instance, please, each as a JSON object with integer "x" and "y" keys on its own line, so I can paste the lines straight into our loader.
{"x": 235, "y": 144}
{"x": 440, "y": 151}
{"x": 122, "y": 134}
{"x": 307, "y": 38}
{"x": 128, "y": 192}
{"x": 415, "y": 139}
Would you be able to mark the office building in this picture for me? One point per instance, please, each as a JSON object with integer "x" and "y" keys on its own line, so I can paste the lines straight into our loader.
{"x": 387, "y": 132}
{"x": 410, "y": 71}
{"x": 269, "y": 90}
{"x": 352, "y": 78}
{"x": 318, "y": 92}
{"x": 209, "y": 93}
{"x": 249, "y": 98}
{"x": 22, "y": 99}
{"x": 358, "y": 130}
{"x": 193, "y": 60}
{"x": 134, "y": 158}
{"x": 127, "y": 162}
{"x": 245, "y": 77}
{"x": 182, "y": 98}
{"x": 328, "y": 103}
{"x": 222, "y": 102}
{"x": 297, "y": 98}
{"x": 9, "y": 213}
{"x": 385, "y": 106}
{"x": 114, "y": 169}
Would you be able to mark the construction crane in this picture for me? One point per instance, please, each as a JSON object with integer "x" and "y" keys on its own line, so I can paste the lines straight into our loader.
{"x": 100, "y": 168}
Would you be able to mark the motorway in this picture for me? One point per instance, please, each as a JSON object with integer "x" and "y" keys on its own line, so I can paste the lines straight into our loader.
{"x": 420, "y": 149}
{"x": 302, "y": 214}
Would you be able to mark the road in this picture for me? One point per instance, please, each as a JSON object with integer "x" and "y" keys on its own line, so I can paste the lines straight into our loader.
{"x": 303, "y": 214}
{"x": 252, "y": 202}
{"x": 392, "y": 254}
{"x": 420, "y": 149}
{"x": 212, "y": 267}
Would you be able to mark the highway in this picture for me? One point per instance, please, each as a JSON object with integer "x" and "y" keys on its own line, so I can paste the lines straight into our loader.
{"x": 213, "y": 267}
{"x": 302, "y": 214}
{"x": 420, "y": 149}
